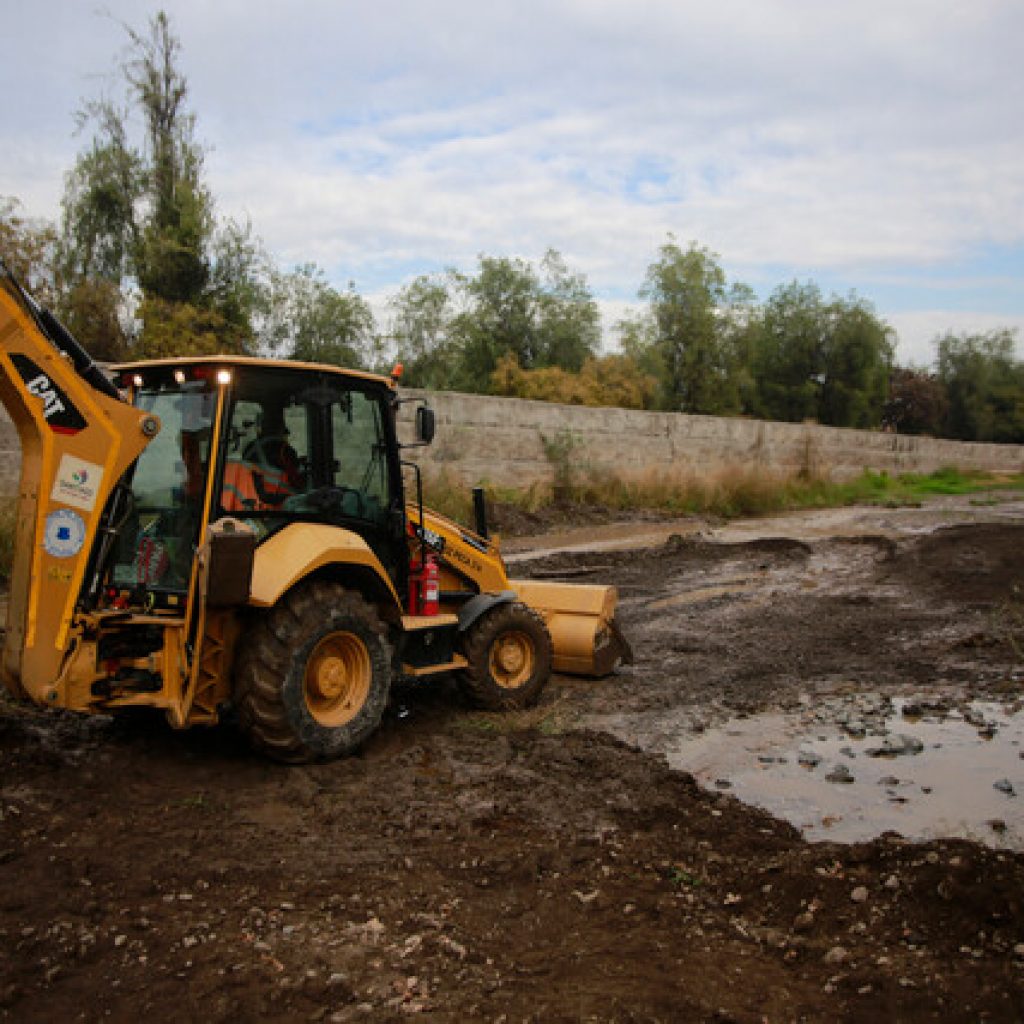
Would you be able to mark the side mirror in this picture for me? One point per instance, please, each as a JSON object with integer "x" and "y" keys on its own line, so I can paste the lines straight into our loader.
{"x": 424, "y": 424}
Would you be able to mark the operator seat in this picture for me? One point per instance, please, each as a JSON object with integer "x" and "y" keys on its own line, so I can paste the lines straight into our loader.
{"x": 274, "y": 463}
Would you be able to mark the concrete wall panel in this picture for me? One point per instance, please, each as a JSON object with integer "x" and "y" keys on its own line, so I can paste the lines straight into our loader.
{"x": 501, "y": 441}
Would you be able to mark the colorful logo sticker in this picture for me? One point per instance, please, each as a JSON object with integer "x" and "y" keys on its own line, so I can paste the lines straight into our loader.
{"x": 77, "y": 483}
{"x": 64, "y": 534}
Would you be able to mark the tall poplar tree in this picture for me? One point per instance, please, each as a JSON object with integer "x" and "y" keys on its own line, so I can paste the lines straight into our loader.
{"x": 139, "y": 233}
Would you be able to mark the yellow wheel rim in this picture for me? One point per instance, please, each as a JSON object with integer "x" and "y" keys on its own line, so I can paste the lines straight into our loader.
{"x": 337, "y": 680}
{"x": 512, "y": 659}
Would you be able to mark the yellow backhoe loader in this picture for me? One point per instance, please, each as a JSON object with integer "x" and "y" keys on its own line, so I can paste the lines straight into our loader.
{"x": 200, "y": 535}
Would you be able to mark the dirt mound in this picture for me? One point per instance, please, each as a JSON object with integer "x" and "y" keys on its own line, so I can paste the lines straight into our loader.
{"x": 977, "y": 564}
{"x": 511, "y": 520}
{"x": 652, "y": 563}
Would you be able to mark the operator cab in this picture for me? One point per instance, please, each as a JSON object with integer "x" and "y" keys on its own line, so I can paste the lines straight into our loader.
{"x": 288, "y": 443}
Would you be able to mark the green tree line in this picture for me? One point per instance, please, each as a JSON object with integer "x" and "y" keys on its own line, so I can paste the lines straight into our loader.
{"x": 141, "y": 266}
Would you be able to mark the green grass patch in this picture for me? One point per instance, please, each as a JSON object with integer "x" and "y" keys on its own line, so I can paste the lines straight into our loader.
{"x": 554, "y": 719}
{"x": 908, "y": 487}
{"x": 682, "y": 878}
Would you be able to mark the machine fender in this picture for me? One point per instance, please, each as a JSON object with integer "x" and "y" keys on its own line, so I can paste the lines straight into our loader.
{"x": 481, "y": 604}
{"x": 301, "y": 549}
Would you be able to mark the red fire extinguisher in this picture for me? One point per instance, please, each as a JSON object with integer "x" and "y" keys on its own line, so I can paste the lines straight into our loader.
{"x": 425, "y": 587}
{"x": 430, "y": 593}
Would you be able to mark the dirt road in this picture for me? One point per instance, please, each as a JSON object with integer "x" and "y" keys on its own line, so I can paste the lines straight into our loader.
{"x": 552, "y": 866}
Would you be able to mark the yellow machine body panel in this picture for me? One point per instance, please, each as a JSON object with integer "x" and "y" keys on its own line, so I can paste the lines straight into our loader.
{"x": 299, "y": 551}
{"x": 580, "y": 617}
{"x": 581, "y": 620}
{"x": 76, "y": 443}
{"x": 466, "y": 557}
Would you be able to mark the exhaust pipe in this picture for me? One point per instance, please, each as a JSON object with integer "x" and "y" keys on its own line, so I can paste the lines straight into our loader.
{"x": 480, "y": 512}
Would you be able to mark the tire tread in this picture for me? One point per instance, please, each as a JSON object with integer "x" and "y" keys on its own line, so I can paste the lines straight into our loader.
{"x": 476, "y": 680}
{"x": 268, "y": 661}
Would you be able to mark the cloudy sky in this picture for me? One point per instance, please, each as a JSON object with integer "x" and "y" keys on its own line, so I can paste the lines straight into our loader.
{"x": 874, "y": 147}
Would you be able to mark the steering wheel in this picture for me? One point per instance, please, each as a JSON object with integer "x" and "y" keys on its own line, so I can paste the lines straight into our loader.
{"x": 332, "y": 500}
{"x": 256, "y": 450}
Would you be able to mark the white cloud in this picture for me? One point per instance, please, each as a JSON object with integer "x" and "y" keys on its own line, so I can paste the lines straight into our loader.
{"x": 918, "y": 331}
{"x": 795, "y": 138}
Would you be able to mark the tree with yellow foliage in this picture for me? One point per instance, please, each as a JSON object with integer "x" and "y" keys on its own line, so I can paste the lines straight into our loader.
{"x": 612, "y": 380}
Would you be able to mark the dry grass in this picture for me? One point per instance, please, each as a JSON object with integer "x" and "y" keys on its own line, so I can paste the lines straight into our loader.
{"x": 732, "y": 491}
{"x": 729, "y": 493}
{"x": 552, "y": 719}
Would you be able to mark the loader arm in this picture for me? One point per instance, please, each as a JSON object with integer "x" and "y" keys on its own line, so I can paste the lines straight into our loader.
{"x": 77, "y": 442}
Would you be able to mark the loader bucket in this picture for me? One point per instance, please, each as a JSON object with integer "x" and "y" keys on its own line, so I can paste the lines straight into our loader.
{"x": 581, "y": 620}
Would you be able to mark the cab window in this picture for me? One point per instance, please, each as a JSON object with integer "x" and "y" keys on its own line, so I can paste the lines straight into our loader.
{"x": 359, "y": 455}
{"x": 305, "y": 445}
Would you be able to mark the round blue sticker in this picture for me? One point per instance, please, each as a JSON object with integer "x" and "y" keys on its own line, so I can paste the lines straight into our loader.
{"x": 65, "y": 533}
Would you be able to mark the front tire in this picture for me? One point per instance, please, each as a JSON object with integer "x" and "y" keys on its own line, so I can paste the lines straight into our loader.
{"x": 509, "y": 653}
{"x": 314, "y": 675}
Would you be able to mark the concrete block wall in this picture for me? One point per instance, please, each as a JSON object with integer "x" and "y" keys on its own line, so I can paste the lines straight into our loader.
{"x": 500, "y": 441}
{"x": 10, "y": 455}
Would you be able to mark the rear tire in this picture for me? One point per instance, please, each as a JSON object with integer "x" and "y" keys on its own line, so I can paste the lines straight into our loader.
{"x": 509, "y": 653}
{"x": 313, "y": 676}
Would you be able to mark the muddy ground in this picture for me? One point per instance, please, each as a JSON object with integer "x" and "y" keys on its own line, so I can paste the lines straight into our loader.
{"x": 534, "y": 867}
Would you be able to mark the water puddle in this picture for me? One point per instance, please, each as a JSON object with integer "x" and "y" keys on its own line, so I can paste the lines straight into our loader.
{"x": 849, "y": 770}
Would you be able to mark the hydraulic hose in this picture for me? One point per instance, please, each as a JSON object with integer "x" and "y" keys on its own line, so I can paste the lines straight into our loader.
{"x": 63, "y": 340}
